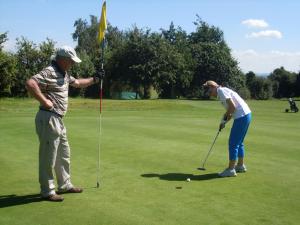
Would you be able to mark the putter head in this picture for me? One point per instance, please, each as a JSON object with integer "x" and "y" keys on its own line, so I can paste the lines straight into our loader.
{"x": 201, "y": 168}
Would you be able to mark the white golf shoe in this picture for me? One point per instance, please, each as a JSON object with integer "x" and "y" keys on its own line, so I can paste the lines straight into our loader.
{"x": 240, "y": 169}
{"x": 228, "y": 173}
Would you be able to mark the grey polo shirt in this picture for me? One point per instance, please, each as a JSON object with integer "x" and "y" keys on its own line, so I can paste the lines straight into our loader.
{"x": 54, "y": 84}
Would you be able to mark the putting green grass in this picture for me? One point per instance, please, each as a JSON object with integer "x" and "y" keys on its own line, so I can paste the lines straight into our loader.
{"x": 148, "y": 150}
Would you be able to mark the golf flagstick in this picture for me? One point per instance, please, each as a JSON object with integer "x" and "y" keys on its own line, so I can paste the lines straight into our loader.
{"x": 100, "y": 130}
{"x": 100, "y": 133}
{"x": 101, "y": 40}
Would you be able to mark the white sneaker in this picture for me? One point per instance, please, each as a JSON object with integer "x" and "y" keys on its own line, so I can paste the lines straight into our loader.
{"x": 240, "y": 169}
{"x": 228, "y": 173}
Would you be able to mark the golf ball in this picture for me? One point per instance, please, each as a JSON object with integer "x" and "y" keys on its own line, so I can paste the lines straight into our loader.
{"x": 188, "y": 179}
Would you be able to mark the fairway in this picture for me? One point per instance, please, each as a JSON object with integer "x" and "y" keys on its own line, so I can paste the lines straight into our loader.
{"x": 148, "y": 150}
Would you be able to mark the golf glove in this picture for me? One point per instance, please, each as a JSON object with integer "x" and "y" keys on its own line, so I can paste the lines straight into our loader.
{"x": 223, "y": 122}
{"x": 222, "y": 125}
{"x": 99, "y": 76}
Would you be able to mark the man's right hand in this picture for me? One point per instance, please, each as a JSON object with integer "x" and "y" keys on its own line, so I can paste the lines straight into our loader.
{"x": 34, "y": 89}
{"x": 48, "y": 104}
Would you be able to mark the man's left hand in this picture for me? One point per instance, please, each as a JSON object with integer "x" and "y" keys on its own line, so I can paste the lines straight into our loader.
{"x": 222, "y": 126}
{"x": 99, "y": 76}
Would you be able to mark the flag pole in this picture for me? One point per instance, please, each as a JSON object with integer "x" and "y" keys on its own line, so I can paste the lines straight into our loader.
{"x": 99, "y": 138}
{"x": 100, "y": 115}
{"x": 101, "y": 40}
{"x": 100, "y": 128}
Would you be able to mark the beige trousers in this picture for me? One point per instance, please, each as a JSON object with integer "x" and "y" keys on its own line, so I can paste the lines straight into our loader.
{"x": 54, "y": 153}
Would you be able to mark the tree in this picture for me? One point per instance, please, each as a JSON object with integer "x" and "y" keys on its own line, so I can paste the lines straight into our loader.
{"x": 30, "y": 60}
{"x": 250, "y": 83}
{"x": 115, "y": 42}
{"x": 7, "y": 73}
{"x": 250, "y": 77}
{"x": 213, "y": 60}
{"x": 147, "y": 59}
{"x": 181, "y": 58}
{"x": 83, "y": 70}
{"x": 7, "y": 68}
{"x": 206, "y": 33}
{"x": 284, "y": 83}
{"x": 27, "y": 65}
{"x": 261, "y": 88}
{"x": 86, "y": 36}
{"x": 46, "y": 50}
{"x": 176, "y": 36}
{"x": 3, "y": 38}
{"x": 172, "y": 74}
{"x": 139, "y": 55}
{"x": 298, "y": 85}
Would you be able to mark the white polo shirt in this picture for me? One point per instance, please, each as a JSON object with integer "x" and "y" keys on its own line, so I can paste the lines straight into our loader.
{"x": 241, "y": 107}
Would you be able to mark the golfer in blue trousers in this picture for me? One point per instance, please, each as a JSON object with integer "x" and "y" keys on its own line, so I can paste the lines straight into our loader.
{"x": 237, "y": 108}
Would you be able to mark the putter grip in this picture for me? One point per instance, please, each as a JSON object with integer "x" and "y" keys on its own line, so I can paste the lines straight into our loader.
{"x": 225, "y": 118}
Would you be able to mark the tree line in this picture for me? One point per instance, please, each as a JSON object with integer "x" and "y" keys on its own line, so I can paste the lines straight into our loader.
{"x": 171, "y": 62}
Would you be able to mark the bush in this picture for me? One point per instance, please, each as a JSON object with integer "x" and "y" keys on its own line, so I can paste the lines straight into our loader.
{"x": 244, "y": 93}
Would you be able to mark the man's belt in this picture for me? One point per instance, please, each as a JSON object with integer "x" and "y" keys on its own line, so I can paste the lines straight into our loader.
{"x": 47, "y": 110}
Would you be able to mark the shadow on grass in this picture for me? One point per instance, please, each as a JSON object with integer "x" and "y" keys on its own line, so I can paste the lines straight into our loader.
{"x": 181, "y": 176}
{"x": 13, "y": 200}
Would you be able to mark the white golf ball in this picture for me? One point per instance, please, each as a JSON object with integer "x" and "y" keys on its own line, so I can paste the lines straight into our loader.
{"x": 188, "y": 179}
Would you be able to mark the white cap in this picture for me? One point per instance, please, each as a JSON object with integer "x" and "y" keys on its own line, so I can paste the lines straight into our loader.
{"x": 68, "y": 52}
{"x": 210, "y": 83}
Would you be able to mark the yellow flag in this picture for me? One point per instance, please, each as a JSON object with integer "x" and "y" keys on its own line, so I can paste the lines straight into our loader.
{"x": 102, "y": 24}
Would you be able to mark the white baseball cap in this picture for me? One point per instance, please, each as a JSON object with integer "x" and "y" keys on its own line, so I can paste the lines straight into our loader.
{"x": 68, "y": 52}
{"x": 210, "y": 83}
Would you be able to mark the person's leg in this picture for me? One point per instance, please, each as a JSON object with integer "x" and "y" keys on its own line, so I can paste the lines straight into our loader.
{"x": 241, "y": 154}
{"x": 231, "y": 164}
{"x": 234, "y": 141}
{"x": 236, "y": 138}
{"x": 244, "y": 129}
{"x": 240, "y": 161}
{"x": 62, "y": 165}
{"x": 233, "y": 150}
{"x": 49, "y": 140}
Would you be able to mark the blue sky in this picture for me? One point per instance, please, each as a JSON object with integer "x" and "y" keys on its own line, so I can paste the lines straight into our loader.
{"x": 262, "y": 34}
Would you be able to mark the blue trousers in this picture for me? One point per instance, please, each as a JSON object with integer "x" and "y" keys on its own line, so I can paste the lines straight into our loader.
{"x": 237, "y": 134}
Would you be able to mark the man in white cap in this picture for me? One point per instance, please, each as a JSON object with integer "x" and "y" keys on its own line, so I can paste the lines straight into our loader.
{"x": 237, "y": 108}
{"x": 50, "y": 87}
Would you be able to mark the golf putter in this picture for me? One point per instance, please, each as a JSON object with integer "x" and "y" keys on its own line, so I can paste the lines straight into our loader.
{"x": 204, "y": 161}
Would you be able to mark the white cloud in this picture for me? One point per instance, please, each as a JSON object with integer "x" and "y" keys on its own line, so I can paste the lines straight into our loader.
{"x": 254, "y": 23}
{"x": 265, "y": 34}
{"x": 266, "y": 62}
{"x": 288, "y": 54}
{"x": 249, "y": 52}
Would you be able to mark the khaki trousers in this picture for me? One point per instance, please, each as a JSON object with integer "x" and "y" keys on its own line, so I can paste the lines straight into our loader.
{"x": 54, "y": 153}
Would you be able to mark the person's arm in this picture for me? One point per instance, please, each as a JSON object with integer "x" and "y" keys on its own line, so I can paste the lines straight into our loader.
{"x": 34, "y": 89}
{"x": 83, "y": 82}
{"x": 228, "y": 115}
{"x": 230, "y": 109}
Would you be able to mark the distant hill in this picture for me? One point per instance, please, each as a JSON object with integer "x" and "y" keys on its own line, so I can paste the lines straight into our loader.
{"x": 262, "y": 74}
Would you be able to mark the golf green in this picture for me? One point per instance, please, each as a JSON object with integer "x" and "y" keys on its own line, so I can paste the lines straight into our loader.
{"x": 148, "y": 150}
